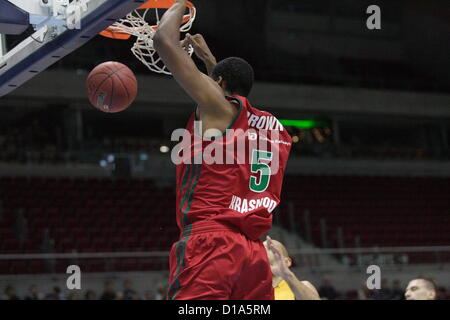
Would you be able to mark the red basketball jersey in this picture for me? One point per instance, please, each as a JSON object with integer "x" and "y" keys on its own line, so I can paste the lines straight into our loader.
{"x": 235, "y": 179}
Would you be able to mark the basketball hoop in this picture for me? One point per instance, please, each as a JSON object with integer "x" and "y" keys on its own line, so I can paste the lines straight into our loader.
{"x": 142, "y": 23}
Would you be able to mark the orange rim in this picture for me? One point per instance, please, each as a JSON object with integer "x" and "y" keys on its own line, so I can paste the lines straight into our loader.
{"x": 113, "y": 33}
{"x": 117, "y": 35}
{"x": 162, "y": 4}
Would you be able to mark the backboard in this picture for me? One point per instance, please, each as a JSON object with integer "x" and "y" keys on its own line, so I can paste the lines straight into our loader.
{"x": 61, "y": 26}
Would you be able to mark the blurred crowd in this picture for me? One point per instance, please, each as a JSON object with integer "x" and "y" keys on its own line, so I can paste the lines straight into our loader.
{"x": 13, "y": 149}
{"x": 327, "y": 291}
{"x": 44, "y": 140}
{"x": 393, "y": 290}
{"x": 388, "y": 291}
{"x": 40, "y": 143}
{"x": 109, "y": 292}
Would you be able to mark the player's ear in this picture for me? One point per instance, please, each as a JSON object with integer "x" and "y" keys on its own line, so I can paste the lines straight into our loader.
{"x": 221, "y": 82}
{"x": 288, "y": 262}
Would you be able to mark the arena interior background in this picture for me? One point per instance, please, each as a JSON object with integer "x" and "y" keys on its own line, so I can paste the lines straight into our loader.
{"x": 368, "y": 180}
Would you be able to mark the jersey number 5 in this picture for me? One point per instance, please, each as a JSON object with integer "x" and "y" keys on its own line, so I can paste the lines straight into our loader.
{"x": 262, "y": 168}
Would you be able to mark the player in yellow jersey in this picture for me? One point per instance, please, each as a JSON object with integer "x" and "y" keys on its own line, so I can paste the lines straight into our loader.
{"x": 286, "y": 285}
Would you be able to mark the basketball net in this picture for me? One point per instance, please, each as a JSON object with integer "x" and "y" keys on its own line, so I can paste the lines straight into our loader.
{"x": 136, "y": 24}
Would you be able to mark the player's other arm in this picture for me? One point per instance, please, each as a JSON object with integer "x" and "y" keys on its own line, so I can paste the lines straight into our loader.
{"x": 201, "y": 50}
{"x": 214, "y": 108}
{"x": 303, "y": 290}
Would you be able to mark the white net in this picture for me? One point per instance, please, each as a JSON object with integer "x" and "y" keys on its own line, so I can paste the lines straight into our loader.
{"x": 137, "y": 25}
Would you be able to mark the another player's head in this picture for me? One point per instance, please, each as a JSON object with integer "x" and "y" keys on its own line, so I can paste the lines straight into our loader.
{"x": 421, "y": 289}
{"x": 234, "y": 75}
{"x": 280, "y": 248}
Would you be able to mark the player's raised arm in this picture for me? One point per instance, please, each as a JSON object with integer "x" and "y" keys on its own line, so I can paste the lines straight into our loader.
{"x": 215, "y": 109}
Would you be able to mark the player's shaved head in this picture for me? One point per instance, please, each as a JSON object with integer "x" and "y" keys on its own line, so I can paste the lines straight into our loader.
{"x": 281, "y": 248}
{"x": 421, "y": 289}
{"x": 429, "y": 283}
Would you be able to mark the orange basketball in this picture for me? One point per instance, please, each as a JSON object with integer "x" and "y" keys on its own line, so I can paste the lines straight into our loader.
{"x": 111, "y": 87}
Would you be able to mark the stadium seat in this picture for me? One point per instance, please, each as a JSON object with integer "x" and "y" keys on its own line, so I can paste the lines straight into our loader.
{"x": 103, "y": 215}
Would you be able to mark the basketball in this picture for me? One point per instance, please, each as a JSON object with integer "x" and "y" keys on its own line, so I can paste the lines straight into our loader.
{"x": 111, "y": 87}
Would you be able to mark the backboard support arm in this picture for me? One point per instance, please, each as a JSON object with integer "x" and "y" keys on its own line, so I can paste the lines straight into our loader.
{"x": 3, "y": 48}
{"x": 51, "y": 43}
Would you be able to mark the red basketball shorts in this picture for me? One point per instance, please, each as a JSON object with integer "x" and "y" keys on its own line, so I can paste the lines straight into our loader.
{"x": 214, "y": 262}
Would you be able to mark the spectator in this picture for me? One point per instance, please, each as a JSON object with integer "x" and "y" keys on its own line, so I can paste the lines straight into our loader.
{"x": 327, "y": 291}
{"x": 33, "y": 293}
{"x": 385, "y": 293}
{"x": 10, "y": 294}
{"x": 109, "y": 293}
{"x": 128, "y": 292}
{"x": 55, "y": 294}
{"x": 73, "y": 296}
{"x": 58, "y": 293}
{"x": 119, "y": 295}
{"x": 90, "y": 295}
{"x": 397, "y": 291}
{"x": 421, "y": 289}
{"x": 149, "y": 295}
{"x": 364, "y": 293}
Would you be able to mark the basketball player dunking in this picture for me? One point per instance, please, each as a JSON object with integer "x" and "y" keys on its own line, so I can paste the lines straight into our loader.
{"x": 222, "y": 209}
